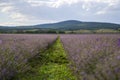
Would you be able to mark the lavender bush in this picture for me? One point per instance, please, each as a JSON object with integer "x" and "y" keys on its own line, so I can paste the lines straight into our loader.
{"x": 94, "y": 57}
{"x": 16, "y": 49}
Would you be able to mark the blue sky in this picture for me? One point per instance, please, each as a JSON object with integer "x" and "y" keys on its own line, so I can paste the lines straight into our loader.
{"x": 31, "y": 12}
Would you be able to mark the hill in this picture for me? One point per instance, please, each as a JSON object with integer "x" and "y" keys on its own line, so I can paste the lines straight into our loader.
{"x": 69, "y": 25}
{"x": 76, "y": 25}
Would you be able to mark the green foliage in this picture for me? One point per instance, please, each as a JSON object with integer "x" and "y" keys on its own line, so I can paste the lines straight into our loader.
{"x": 106, "y": 31}
{"x": 92, "y": 31}
{"x": 50, "y": 65}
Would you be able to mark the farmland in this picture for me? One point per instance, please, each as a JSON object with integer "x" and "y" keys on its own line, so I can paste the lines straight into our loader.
{"x": 16, "y": 50}
{"x": 59, "y": 57}
{"x": 94, "y": 57}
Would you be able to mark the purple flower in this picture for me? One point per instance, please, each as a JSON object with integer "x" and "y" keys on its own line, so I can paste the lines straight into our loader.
{"x": 118, "y": 57}
{"x": 119, "y": 42}
{"x": 117, "y": 70}
{"x": 16, "y": 57}
{"x": 82, "y": 73}
{"x": 4, "y": 70}
{"x": 97, "y": 39}
{"x": 0, "y": 41}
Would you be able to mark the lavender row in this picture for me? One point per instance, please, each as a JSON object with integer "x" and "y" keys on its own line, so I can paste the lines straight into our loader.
{"x": 16, "y": 49}
{"x": 94, "y": 57}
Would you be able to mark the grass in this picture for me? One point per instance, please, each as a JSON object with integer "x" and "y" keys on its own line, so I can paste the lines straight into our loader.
{"x": 50, "y": 65}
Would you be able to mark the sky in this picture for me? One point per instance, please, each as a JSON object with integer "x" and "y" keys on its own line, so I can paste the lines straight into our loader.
{"x": 32, "y": 12}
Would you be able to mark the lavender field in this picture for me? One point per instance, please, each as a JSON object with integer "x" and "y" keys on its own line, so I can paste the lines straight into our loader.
{"x": 17, "y": 49}
{"x": 91, "y": 56}
{"x": 94, "y": 57}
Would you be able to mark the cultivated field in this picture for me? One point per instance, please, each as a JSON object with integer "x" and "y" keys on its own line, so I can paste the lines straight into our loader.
{"x": 86, "y": 56}
{"x": 94, "y": 57}
{"x": 17, "y": 49}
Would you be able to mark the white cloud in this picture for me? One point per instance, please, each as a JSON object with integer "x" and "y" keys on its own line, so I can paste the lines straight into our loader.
{"x": 58, "y": 3}
{"x": 19, "y": 17}
{"x": 23, "y": 23}
{"x": 101, "y": 12}
{"x": 87, "y": 5}
{"x": 42, "y": 11}
{"x": 9, "y": 23}
{"x": 112, "y": 4}
{"x": 63, "y": 2}
{"x": 12, "y": 11}
{"x": 7, "y": 9}
{"x": 51, "y": 3}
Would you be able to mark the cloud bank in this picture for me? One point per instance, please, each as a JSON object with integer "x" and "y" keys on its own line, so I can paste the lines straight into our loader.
{"x": 30, "y": 12}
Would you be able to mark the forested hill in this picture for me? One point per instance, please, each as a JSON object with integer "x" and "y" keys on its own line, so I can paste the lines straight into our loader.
{"x": 75, "y": 25}
{"x": 65, "y": 26}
